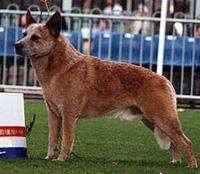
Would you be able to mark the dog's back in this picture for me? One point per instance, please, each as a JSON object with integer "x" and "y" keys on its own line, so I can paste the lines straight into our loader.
{"x": 116, "y": 84}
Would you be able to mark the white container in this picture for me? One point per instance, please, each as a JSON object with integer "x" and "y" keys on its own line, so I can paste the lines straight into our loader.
{"x": 12, "y": 126}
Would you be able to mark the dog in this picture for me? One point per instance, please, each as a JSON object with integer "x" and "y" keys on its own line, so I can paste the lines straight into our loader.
{"x": 77, "y": 86}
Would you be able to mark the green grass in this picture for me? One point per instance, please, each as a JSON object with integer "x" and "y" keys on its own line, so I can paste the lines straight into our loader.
{"x": 104, "y": 145}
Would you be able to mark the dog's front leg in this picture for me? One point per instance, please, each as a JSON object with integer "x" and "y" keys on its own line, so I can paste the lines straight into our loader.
{"x": 69, "y": 123}
{"x": 54, "y": 123}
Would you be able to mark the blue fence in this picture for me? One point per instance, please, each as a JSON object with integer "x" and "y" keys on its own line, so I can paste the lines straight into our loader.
{"x": 132, "y": 48}
{"x": 178, "y": 50}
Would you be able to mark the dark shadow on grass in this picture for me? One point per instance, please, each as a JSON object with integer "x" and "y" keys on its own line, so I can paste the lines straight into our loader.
{"x": 95, "y": 161}
{"x": 103, "y": 161}
{"x": 136, "y": 163}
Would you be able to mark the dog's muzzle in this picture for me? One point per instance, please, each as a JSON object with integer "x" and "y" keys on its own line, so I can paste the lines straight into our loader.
{"x": 18, "y": 48}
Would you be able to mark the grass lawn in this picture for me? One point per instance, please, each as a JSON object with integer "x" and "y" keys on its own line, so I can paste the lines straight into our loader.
{"x": 104, "y": 145}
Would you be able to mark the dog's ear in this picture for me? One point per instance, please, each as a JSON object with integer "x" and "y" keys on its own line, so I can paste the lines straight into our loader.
{"x": 29, "y": 18}
{"x": 54, "y": 24}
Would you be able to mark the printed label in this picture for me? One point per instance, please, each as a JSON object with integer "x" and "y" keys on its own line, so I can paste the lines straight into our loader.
{"x": 8, "y": 142}
{"x": 12, "y": 131}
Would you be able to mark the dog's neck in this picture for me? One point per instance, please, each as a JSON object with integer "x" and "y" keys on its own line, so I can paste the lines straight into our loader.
{"x": 63, "y": 55}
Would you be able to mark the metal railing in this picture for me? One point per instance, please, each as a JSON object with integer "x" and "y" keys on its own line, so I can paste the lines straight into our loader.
{"x": 111, "y": 37}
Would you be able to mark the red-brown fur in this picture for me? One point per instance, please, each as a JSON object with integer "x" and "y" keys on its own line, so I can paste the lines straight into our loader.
{"x": 76, "y": 85}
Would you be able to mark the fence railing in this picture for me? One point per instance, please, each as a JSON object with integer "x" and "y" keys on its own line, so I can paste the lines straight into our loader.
{"x": 133, "y": 39}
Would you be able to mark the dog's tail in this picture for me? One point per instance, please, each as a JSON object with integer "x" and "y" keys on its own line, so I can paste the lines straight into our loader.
{"x": 162, "y": 139}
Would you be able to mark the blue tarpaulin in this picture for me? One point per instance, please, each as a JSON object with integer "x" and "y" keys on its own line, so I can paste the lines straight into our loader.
{"x": 178, "y": 50}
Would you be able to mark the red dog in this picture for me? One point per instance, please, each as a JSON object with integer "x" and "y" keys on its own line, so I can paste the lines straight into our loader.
{"x": 76, "y": 85}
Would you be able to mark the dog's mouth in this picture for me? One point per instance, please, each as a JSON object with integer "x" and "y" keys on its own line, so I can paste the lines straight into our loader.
{"x": 23, "y": 54}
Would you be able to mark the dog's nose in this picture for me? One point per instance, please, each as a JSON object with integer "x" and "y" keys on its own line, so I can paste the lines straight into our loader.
{"x": 18, "y": 47}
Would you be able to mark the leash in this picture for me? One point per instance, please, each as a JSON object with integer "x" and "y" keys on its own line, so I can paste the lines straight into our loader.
{"x": 29, "y": 128}
{"x": 73, "y": 153}
{"x": 44, "y": 3}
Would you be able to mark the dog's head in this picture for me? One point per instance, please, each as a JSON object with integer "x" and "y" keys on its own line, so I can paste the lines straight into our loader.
{"x": 39, "y": 39}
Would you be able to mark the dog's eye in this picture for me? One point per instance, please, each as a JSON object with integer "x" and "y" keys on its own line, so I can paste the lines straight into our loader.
{"x": 35, "y": 37}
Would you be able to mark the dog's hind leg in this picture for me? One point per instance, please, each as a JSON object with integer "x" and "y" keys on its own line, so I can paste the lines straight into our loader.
{"x": 165, "y": 143}
{"x": 174, "y": 148}
{"x": 185, "y": 144}
{"x": 175, "y": 153}
{"x": 167, "y": 121}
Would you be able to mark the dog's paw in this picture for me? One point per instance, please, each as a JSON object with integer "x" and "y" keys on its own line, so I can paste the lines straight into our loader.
{"x": 49, "y": 157}
{"x": 59, "y": 160}
{"x": 193, "y": 164}
{"x": 62, "y": 158}
{"x": 54, "y": 160}
{"x": 176, "y": 162}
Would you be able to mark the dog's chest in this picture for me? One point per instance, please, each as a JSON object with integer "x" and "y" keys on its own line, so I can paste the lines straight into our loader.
{"x": 52, "y": 101}
{"x": 53, "y": 107}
